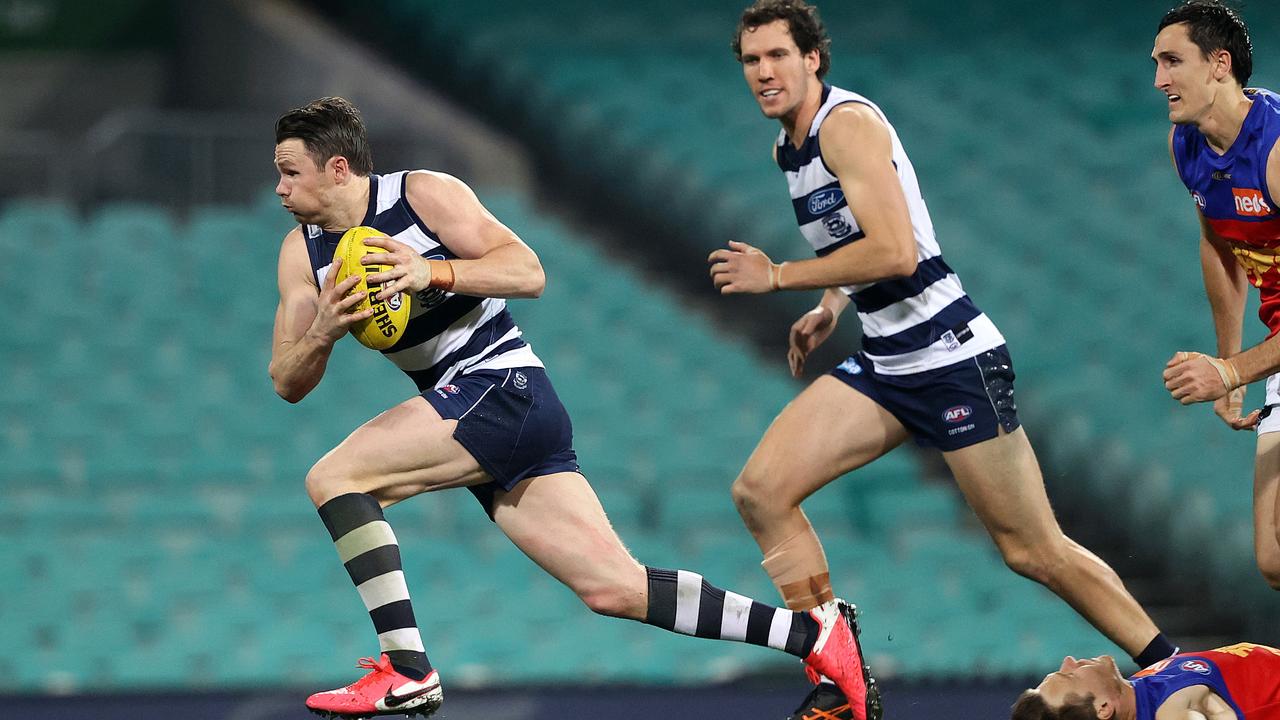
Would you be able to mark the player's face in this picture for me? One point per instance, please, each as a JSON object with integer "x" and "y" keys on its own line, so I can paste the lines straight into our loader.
{"x": 775, "y": 69}
{"x": 303, "y": 188}
{"x": 1098, "y": 677}
{"x": 1183, "y": 74}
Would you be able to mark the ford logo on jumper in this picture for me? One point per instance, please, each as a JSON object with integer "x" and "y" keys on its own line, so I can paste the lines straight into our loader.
{"x": 824, "y": 200}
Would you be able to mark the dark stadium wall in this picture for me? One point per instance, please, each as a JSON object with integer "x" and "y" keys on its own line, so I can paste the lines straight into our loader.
{"x": 918, "y": 702}
{"x": 263, "y": 58}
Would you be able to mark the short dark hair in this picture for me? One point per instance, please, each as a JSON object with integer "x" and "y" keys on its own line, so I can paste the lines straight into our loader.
{"x": 802, "y": 21}
{"x": 329, "y": 127}
{"x": 1213, "y": 26}
{"x": 1031, "y": 706}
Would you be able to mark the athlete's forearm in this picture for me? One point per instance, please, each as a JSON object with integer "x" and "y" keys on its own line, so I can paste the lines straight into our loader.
{"x": 835, "y": 300}
{"x": 508, "y": 271}
{"x": 299, "y": 366}
{"x": 1226, "y": 287}
{"x": 858, "y": 262}
{"x": 1258, "y": 362}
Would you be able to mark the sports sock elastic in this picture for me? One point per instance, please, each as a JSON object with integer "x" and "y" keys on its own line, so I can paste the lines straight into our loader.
{"x": 368, "y": 549}
{"x": 682, "y": 602}
{"x": 1158, "y": 649}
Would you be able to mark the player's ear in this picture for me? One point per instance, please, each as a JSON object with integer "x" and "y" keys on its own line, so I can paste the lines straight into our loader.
{"x": 812, "y": 60}
{"x": 1222, "y": 61}
{"x": 1106, "y": 710}
{"x": 340, "y": 169}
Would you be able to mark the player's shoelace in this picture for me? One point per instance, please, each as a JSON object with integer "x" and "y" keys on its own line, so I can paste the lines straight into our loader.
{"x": 370, "y": 664}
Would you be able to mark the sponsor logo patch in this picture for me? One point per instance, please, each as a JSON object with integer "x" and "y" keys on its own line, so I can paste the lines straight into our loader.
{"x": 956, "y": 414}
{"x": 521, "y": 381}
{"x": 824, "y": 200}
{"x": 1196, "y": 666}
{"x": 851, "y": 366}
{"x": 1200, "y": 201}
{"x": 445, "y": 391}
{"x": 1250, "y": 203}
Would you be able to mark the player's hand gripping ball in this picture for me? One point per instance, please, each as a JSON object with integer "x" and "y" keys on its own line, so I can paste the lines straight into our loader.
{"x": 391, "y": 316}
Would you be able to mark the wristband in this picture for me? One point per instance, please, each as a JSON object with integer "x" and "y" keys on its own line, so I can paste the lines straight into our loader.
{"x": 441, "y": 275}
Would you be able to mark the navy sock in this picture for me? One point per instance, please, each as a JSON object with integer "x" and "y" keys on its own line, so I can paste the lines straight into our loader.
{"x": 1158, "y": 649}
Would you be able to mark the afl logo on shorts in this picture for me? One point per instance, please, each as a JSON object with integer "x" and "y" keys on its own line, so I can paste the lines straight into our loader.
{"x": 1196, "y": 666}
{"x": 957, "y": 414}
{"x": 445, "y": 391}
{"x": 521, "y": 381}
{"x": 1200, "y": 201}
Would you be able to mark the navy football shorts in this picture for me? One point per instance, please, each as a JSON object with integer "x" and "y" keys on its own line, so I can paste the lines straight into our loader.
{"x": 948, "y": 408}
{"x": 512, "y": 423}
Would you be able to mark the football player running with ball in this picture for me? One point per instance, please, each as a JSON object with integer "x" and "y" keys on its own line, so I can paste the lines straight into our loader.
{"x": 485, "y": 416}
{"x": 933, "y": 367}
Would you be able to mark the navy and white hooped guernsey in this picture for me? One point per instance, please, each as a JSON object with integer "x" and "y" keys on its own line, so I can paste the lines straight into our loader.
{"x": 909, "y": 325}
{"x": 448, "y": 334}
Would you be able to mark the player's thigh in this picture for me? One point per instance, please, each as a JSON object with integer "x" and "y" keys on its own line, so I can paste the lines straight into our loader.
{"x": 1000, "y": 478}
{"x": 827, "y": 430}
{"x": 1266, "y": 502}
{"x": 558, "y": 521}
{"x": 404, "y": 451}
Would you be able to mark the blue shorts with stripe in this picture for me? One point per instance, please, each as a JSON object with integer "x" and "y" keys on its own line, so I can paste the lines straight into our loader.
{"x": 948, "y": 408}
{"x": 512, "y": 423}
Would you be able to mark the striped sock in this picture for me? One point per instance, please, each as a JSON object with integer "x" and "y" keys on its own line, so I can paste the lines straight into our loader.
{"x": 681, "y": 601}
{"x": 368, "y": 549}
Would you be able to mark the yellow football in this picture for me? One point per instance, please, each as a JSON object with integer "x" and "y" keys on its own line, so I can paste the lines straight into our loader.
{"x": 391, "y": 316}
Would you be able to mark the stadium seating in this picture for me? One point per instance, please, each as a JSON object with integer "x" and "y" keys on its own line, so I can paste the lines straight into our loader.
{"x": 156, "y": 531}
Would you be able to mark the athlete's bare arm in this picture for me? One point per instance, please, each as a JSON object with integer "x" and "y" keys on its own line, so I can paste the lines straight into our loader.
{"x": 493, "y": 262}
{"x": 1226, "y": 286}
{"x": 1191, "y": 377}
{"x": 308, "y": 320}
{"x": 814, "y": 327}
{"x": 857, "y": 148}
{"x": 1197, "y": 702}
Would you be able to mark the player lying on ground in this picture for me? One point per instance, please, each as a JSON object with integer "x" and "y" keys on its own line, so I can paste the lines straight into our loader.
{"x": 1240, "y": 682}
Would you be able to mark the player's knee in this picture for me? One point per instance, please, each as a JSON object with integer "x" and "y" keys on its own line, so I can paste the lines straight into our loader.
{"x": 324, "y": 483}
{"x": 752, "y": 493}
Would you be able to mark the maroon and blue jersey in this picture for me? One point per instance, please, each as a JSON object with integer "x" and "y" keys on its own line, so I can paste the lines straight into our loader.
{"x": 1246, "y": 676}
{"x": 1231, "y": 191}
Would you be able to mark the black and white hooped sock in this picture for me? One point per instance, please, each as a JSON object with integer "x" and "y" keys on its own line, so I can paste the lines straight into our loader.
{"x": 367, "y": 547}
{"x": 682, "y": 602}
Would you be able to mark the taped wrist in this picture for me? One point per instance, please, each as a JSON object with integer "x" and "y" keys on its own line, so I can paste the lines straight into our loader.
{"x": 441, "y": 275}
{"x": 1227, "y": 371}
